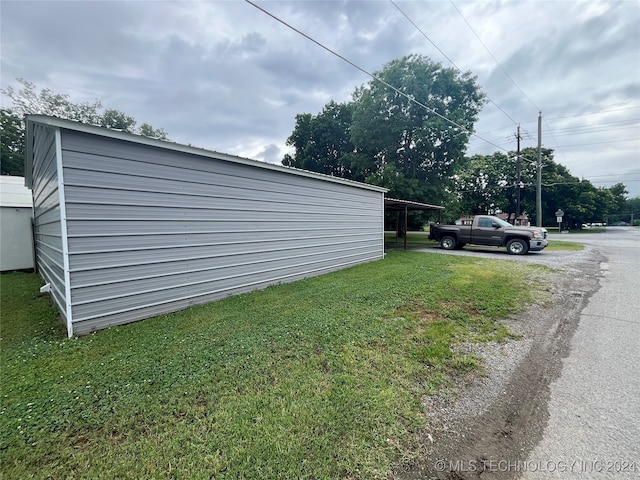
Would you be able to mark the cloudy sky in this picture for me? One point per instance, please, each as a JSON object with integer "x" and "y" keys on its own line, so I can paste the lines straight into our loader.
{"x": 225, "y": 76}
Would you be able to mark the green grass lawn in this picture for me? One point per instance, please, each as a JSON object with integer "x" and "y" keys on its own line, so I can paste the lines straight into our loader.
{"x": 413, "y": 238}
{"x": 321, "y": 378}
{"x": 579, "y": 230}
{"x": 558, "y": 245}
{"x": 589, "y": 230}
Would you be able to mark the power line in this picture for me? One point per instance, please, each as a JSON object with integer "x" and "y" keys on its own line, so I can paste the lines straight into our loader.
{"x": 497, "y": 129}
{"x": 503, "y": 142}
{"x": 492, "y": 56}
{"x": 374, "y": 77}
{"x": 587, "y": 114}
{"x": 473, "y": 148}
{"x": 581, "y": 181}
{"x": 594, "y": 113}
{"x": 578, "y": 129}
{"x": 521, "y": 91}
{"x": 445, "y": 55}
{"x": 425, "y": 35}
{"x": 593, "y": 130}
{"x": 600, "y": 143}
{"x": 507, "y": 186}
{"x": 611, "y": 175}
{"x": 588, "y": 129}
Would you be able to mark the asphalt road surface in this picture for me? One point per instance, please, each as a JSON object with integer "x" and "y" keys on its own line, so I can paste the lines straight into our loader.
{"x": 569, "y": 407}
{"x": 593, "y": 431}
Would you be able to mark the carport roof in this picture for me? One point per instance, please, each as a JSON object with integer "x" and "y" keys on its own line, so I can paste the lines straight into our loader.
{"x": 395, "y": 204}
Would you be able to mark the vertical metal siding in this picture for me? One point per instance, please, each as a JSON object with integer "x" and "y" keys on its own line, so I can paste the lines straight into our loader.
{"x": 152, "y": 230}
{"x": 47, "y": 218}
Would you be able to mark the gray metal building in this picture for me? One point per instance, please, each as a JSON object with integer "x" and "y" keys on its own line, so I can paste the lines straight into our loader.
{"x": 128, "y": 227}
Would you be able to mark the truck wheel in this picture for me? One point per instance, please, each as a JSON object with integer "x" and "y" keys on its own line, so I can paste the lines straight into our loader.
{"x": 448, "y": 243}
{"x": 517, "y": 247}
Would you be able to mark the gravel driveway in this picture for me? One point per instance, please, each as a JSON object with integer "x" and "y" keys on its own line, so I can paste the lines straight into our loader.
{"x": 503, "y": 415}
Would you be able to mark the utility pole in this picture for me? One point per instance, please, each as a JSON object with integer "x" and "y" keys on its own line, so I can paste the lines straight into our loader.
{"x": 539, "y": 175}
{"x": 518, "y": 178}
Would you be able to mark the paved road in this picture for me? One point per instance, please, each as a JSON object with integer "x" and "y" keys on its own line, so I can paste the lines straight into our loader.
{"x": 593, "y": 430}
{"x": 571, "y": 409}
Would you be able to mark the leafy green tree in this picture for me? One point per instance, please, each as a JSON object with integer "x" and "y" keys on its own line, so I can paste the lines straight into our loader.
{"x": 148, "y": 131}
{"x": 632, "y": 205}
{"x": 605, "y": 202}
{"x": 322, "y": 142}
{"x": 576, "y": 197}
{"x": 626, "y": 211}
{"x": 117, "y": 120}
{"x": 390, "y": 128}
{"x": 11, "y": 143}
{"x": 27, "y": 100}
{"x": 483, "y": 185}
{"x": 384, "y": 137}
{"x": 619, "y": 192}
{"x": 488, "y": 183}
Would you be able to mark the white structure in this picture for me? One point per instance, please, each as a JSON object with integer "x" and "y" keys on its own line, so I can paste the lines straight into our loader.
{"x": 16, "y": 213}
{"x": 128, "y": 227}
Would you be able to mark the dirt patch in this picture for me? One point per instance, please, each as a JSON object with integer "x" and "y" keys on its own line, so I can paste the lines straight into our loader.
{"x": 502, "y": 415}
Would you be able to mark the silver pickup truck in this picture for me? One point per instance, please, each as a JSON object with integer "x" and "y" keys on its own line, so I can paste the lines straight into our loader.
{"x": 489, "y": 230}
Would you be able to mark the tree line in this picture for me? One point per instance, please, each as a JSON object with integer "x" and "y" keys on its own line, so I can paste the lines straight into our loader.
{"x": 28, "y": 100}
{"x": 412, "y": 140}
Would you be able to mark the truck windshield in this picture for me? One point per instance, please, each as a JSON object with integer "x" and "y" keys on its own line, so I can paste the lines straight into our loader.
{"x": 502, "y": 222}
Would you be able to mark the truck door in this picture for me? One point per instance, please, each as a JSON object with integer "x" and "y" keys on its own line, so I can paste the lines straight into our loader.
{"x": 485, "y": 233}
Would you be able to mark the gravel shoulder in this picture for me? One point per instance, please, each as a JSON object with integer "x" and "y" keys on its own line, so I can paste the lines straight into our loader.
{"x": 503, "y": 413}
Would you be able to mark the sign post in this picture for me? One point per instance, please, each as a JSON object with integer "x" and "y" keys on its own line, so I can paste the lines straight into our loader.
{"x": 559, "y": 215}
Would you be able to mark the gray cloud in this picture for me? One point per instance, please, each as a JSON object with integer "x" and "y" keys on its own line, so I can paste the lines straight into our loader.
{"x": 224, "y": 76}
{"x": 270, "y": 154}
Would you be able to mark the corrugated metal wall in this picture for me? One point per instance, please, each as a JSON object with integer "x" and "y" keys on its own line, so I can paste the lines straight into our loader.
{"x": 152, "y": 230}
{"x": 47, "y": 216}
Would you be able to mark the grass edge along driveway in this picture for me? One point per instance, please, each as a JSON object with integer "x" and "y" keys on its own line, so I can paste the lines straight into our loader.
{"x": 321, "y": 378}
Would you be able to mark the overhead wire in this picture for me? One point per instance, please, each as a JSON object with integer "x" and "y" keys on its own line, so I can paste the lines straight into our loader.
{"x": 369, "y": 74}
{"x": 619, "y": 124}
{"x": 445, "y": 55}
{"x": 594, "y": 113}
{"x": 592, "y": 129}
{"x": 602, "y": 143}
{"x": 492, "y": 56}
{"x": 413, "y": 100}
{"x": 506, "y": 74}
{"x": 588, "y": 131}
{"x": 585, "y": 114}
{"x": 613, "y": 175}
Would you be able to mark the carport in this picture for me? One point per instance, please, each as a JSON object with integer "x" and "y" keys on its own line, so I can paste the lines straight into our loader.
{"x": 403, "y": 207}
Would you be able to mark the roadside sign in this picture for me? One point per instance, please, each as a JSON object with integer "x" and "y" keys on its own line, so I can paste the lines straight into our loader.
{"x": 559, "y": 215}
